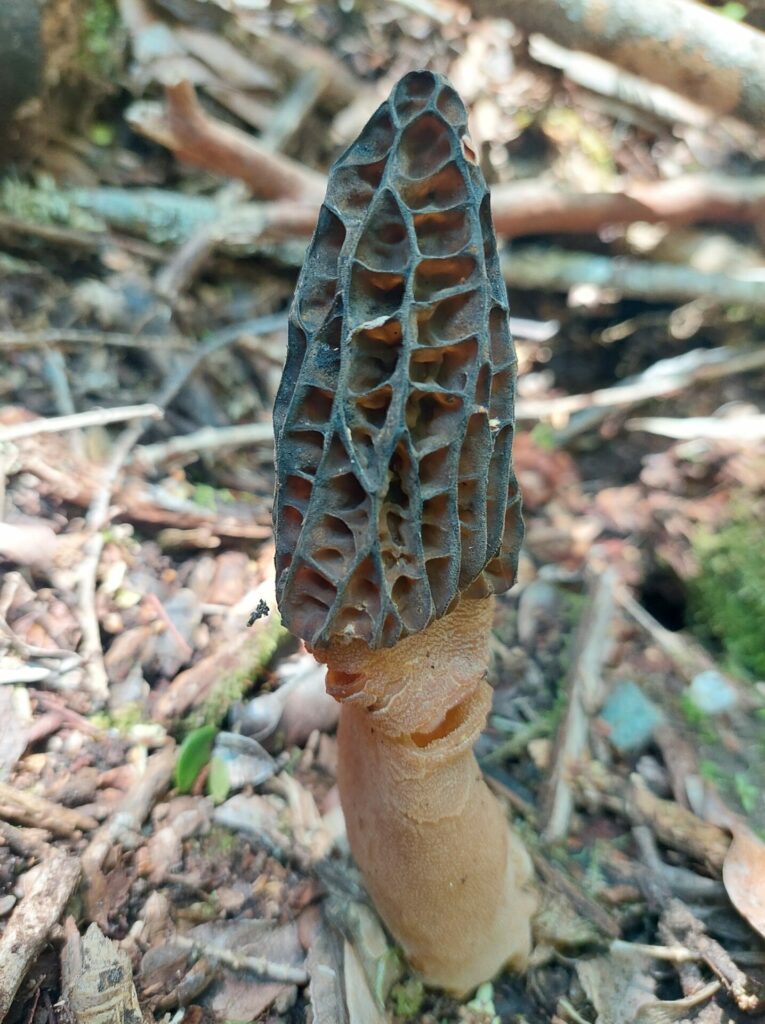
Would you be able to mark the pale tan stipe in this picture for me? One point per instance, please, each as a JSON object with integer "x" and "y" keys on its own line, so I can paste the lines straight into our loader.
{"x": 448, "y": 876}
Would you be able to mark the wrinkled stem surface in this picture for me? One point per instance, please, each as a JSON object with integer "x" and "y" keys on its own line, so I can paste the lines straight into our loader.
{"x": 446, "y": 873}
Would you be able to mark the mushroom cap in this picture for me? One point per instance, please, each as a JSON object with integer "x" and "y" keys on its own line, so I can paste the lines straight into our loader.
{"x": 394, "y": 420}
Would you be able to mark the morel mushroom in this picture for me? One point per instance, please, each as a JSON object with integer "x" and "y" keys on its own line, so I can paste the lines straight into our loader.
{"x": 397, "y": 517}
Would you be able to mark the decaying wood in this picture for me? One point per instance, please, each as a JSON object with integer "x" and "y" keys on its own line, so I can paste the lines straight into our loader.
{"x": 682, "y": 45}
{"x": 54, "y": 883}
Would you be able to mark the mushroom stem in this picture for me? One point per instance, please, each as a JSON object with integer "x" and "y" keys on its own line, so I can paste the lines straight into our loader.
{"x": 447, "y": 874}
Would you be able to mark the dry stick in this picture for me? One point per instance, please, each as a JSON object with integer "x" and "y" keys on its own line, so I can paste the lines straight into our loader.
{"x": 552, "y": 269}
{"x": 684, "y": 46}
{"x": 680, "y": 921}
{"x": 31, "y": 923}
{"x": 73, "y": 337}
{"x": 585, "y": 693}
{"x": 689, "y": 656}
{"x": 31, "y": 809}
{"x": 259, "y": 965}
{"x": 627, "y": 93}
{"x": 518, "y": 208}
{"x": 23, "y": 841}
{"x": 132, "y": 811}
{"x": 72, "y": 238}
{"x": 237, "y": 230}
{"x": 206, "y": 439}
{"x": 532, "y": 208}
{"x": 193, "y": 252}
{"x": 691, "y": 978}
{"x": 91, "y": 418}
{"x": 289, "y": 117}
{"x": 201, "y": 140}
{"x": 741, "y": 430}
{"x": 663, "y": 378}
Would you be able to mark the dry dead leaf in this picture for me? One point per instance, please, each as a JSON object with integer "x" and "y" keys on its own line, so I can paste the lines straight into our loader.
{"x": 618, "y": 985}
{"x": 361, "y": 1004}
{"x": 744, "y": 876}
{"x": 744, "y": 865}
{"x": 97, "y": 979}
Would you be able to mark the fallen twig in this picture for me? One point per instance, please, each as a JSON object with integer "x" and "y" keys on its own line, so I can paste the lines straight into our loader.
{"x": 584, "y": 695}
{"x": 740, "y": 430}
{"x": 27, "y": 843}
{"x": 259, "y": 965}
{"x": 31, "y": 809}
{"x": 30, "y": 925}
{"x": 715, "y": 61}
{"x": 628, "y": 91}
{"x": 533, "y": 208}
{"x": 665, "y": 377}
{"x": 518, "y": 208}
{"x": 90, "y": 418}
{"x": 97, "y": 515}
{"x": 206, "y": 439}
{"x": 73, "y": 337}
{"x": 688, "y": 655}
{"x": 122, "y": 825}
{"x": 675, "y": 826}
{"x": 290, "y": 115}
{"x": 680, "y": 921}
{"x": 560, "y": 270}
{"x": 201, "y": 140}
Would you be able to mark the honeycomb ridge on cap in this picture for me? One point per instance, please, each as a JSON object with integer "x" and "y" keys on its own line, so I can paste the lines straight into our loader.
{"x": 394, "y": 419}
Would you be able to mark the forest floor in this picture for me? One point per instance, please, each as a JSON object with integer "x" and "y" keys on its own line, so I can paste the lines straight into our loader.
{"x": 167, "y": 772}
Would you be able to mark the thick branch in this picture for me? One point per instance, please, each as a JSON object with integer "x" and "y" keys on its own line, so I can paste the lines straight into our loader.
{"x": 205, "y": 142}
{"x": 684, "y": 46}
{"x": 518, "y": 208}
{"x": 530, "y": 208}
{"x": 559, "y": 270}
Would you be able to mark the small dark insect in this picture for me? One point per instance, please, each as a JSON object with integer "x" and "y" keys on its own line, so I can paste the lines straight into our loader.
{"x": 260, "y": 612}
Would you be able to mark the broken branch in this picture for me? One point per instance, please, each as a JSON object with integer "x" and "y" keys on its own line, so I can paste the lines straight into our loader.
{"x": 713, "y": 60}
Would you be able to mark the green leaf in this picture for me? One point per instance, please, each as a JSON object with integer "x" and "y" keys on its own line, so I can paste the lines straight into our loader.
{"x": 733, "y": 10}
{"x": 193, "y": 756}
{"x": 218, "y": 781}
{"x": 407, "y": 998}
{"x": 746, "y": 791}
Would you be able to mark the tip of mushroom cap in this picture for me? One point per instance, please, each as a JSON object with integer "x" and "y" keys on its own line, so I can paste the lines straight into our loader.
{"x": 394, "y": 419}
